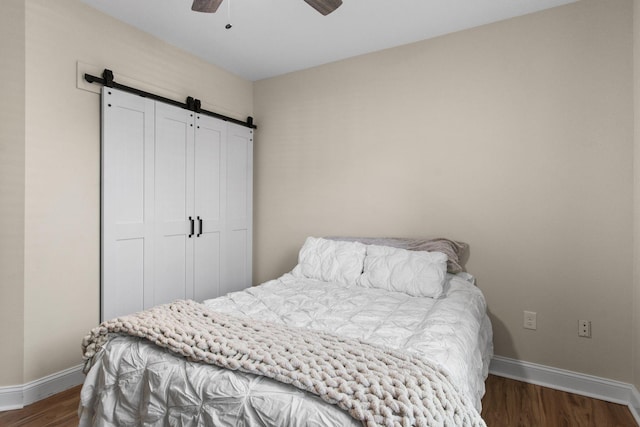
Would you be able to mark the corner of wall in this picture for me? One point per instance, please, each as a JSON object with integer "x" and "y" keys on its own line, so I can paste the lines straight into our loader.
{"x": 636, "y": 197}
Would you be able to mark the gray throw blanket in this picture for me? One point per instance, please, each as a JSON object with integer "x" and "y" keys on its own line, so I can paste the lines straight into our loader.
{"x": 378, "y": 386}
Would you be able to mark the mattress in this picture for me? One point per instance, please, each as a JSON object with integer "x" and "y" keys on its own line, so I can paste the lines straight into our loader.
{"x": 134, "y": 382}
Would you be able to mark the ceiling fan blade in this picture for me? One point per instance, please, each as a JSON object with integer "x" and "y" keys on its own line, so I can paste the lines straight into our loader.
{"x": 207, "y": 6}
{"x": 325, "y": 7}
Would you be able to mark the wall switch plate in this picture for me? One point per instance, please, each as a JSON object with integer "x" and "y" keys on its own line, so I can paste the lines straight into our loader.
{"x": 530, "y": 321}
{"x": 584, "y": 328}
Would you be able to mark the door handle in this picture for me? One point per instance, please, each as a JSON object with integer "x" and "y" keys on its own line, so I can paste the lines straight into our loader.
{"x": 192, "y": 226}
{"x": 199, "y": 227}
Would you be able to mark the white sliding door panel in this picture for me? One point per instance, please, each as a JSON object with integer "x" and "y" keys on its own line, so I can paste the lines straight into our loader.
{"x": 129, "y": 273}
{"x": 238, "y": 266}
{"x": 207, "y": 273}
{"x": 209, "y": 192}
{"x": 210, "y": 150}
{"x": 239, "y": 174}
{"x": 239, "y": 201}
{"x": 127, "y": 202}
{"x": 174, "y": 204}
{"x": 177, "y": 204}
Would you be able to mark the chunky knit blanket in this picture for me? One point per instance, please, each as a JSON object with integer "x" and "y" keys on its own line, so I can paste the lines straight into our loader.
{"x": 378, "y": 386}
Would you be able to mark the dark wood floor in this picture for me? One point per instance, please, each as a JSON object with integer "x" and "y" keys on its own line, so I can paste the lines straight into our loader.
{"x": 58, "y": 410}
{"x": 514, "y": 403}
{"x": 507, "y": 403}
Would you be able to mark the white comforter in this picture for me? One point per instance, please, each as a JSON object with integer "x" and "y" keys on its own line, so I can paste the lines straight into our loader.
{"x": 134, "y": 382}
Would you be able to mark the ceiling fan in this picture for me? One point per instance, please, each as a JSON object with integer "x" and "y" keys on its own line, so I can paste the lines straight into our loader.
{"x": 325, "y": 7}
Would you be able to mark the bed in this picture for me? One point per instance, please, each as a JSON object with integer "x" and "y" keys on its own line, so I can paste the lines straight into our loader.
{"x": 398, "y": 297}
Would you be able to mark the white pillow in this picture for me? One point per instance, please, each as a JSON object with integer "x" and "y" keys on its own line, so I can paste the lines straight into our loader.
{"x": 331, "y": 261}
{"x": 417, "y": 273}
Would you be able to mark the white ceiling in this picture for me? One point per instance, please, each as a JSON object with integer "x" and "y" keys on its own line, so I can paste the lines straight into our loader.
{"x": 273, "y": 37}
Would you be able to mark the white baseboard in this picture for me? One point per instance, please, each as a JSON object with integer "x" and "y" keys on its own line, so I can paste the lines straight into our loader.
{"x": 634, "y": 404}
{"x": 573, "y": 382}
{"x": 11, "y": 398}
{"x": 16, "y": 397}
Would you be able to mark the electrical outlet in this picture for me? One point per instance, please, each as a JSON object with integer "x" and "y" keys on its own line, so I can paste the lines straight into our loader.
{"x": 530, "y": 321}
{"x": 584, "y": 328}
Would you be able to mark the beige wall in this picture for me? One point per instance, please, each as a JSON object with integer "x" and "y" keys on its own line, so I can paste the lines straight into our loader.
{"x": 516, "y": 137}
{"x": 636, "y": 181}
{"x": 62, "y": 196}
{"x": 12, "y": 64}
